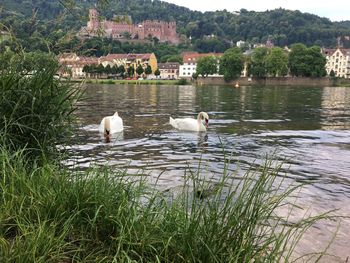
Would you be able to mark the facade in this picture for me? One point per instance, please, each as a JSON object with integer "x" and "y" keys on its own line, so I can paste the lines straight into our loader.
{"x": 119, "y": 29}
{"x": 190, "y": 63}
{"x": 128, "y": 60}
{"x": 72, "y": 65}
{"x": 169, "y": 70}
{"x": 338, "y": 60}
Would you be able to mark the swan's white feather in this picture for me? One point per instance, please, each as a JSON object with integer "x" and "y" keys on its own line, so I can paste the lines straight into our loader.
{"x": 114, "y": 122}
{"x": 188, "y": 124}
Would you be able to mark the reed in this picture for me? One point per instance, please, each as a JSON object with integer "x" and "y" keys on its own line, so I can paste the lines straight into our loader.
{"x": 35, "y": 108}
{"x": 50, "y": 214}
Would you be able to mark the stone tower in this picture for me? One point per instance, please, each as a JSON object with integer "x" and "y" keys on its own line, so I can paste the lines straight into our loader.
{"x": 93, "y": 23}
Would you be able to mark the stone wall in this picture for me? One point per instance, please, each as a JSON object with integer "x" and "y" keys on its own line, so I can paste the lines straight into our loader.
{"x": 287, "y": 81}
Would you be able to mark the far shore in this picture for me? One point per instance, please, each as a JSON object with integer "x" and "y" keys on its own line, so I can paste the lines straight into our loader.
{"x": 276, "y": 81}
{"x": 243, "y": 81}
{"x": 131, "y": 82}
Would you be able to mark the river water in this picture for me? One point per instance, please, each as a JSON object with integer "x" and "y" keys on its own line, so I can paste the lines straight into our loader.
{"x": 308, "y": 128}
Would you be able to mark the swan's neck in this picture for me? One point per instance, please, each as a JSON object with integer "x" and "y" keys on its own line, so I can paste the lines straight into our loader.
{"x": 199, "y": 118}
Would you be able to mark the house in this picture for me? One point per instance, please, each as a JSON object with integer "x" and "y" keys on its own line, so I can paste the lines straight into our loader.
{"x": 72, "y": 65}
{"x": 128, "y": 60}
{"x": 169, "y": 70}
{"x": 338, "y": 60}
{"x": 190, "y": 63}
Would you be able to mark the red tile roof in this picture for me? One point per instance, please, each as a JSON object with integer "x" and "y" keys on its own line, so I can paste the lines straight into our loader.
{"x": 189, "y": 57}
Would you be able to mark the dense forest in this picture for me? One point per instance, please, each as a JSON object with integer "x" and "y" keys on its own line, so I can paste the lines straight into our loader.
{"x": 51, "y": 25}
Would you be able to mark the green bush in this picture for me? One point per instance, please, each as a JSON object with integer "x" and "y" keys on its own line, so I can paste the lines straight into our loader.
{"x": 182, "y": 81}
{"x": 35, "y": 109}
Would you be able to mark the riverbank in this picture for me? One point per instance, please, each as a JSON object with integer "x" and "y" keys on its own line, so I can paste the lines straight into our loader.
{"x": 132, "y": 82}
{"x": 286, "y": 81}
{"x": 49, "y": 213}
{"x": 282, "y": 81}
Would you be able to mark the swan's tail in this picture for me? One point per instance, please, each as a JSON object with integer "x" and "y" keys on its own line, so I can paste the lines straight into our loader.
{"x": 172, "y": 122}
{"x": 107, "y": 126}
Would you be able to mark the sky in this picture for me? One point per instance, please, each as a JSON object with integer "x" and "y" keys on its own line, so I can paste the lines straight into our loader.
{"x": 336, "y": 11}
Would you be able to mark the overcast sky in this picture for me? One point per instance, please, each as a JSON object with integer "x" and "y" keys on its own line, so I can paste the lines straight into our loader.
{"x": 334, "y": 10}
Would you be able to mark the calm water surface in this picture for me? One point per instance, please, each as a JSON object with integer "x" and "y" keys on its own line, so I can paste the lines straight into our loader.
{"x": 308, "y": 128}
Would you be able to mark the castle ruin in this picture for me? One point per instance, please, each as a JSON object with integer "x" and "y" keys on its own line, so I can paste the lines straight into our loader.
{"x": 163, "y": 31}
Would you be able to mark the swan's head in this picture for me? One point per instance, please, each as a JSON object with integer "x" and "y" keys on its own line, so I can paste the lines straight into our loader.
{"x": 107, "y": 135}
{"x": 115, "y": 114}
{"x": 204, "y": 118}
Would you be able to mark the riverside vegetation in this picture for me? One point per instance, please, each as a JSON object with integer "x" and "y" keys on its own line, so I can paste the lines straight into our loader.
{"x": 51, "y": 214}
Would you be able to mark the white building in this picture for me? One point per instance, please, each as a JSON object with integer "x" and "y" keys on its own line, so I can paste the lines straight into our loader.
{"x": 338, "y": 60}
{"x": 169, "y": 70}
{"x": 190, "y": 63}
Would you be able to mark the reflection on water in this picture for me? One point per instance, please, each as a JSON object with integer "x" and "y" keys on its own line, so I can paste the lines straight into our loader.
{"x": 307, "y": 128}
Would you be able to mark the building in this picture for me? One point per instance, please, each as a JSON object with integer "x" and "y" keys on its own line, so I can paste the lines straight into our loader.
{"x": 338, "y": 60}
{"x": 240, "y": 43}
{"x": 190, "y": 63}
{"x": 123, "y": 28}
{"x": 169, "y": 70}
{"x": 72, "y": 65}
{"x": 128, "y": 60}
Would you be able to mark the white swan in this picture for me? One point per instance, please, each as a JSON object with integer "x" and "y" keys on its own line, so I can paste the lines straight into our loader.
{"x": 111, "y": 124}
{"x": 189, "y": 124}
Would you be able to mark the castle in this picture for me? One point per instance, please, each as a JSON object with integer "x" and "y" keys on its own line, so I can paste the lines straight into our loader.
{"x": 163, "y": 31}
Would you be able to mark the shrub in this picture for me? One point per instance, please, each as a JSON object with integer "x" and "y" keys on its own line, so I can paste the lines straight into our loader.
{"x": 182, "y": 81}
{"x": 35, "y": 109}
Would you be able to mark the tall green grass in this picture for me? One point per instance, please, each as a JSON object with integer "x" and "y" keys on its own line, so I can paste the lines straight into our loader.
{"x": 35, "y": 108}
{"x": 49, "y": 214}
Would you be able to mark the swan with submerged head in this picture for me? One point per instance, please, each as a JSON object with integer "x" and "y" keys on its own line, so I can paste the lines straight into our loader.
{"x": 188, "y": 124}
{"x": 111, "y": 124}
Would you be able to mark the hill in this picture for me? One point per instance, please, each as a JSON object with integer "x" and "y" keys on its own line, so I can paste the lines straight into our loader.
{"x": 210, "y": 31}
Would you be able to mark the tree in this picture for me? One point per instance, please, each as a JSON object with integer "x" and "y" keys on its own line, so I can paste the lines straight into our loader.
{"x": 207, "y": 66}
{"x": 157, "y": 72}
{"x": 277, "y": 62}
{"x": 231, "y": 63}
{"x": 121, "y": 71}
{"x": 87, "y": 70}
{"x": 108, "y": 70}
{"x": 332, "y": 74}
{"x": 100, "y": 69}
{"x": 171, "y": 58}
{"x": 148, "y": 70}
{"x": 316, "y": 61}
{"x": 296, "y": 59}
{"x": 139, "y": 70}
{"x": 131, "y": 71}
{"x": 126, "y": 35}
{"x": 258, "y": 62}
{"x": 114, "y": 70}
{"x": 307, "y": 62}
